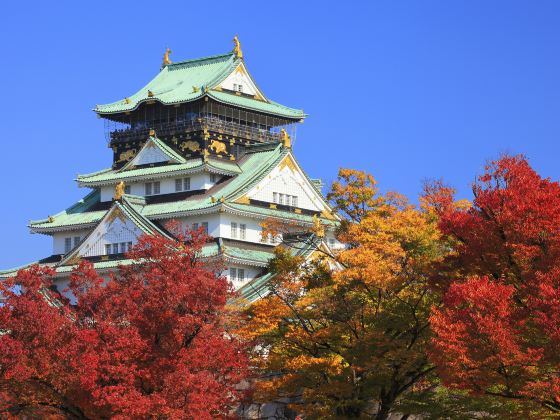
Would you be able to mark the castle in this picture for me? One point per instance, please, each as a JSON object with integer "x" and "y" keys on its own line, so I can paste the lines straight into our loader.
{"x": 200, "y": 144}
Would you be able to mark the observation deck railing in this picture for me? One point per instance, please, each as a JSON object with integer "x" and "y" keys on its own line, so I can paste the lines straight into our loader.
{"x": 164, "y": 129}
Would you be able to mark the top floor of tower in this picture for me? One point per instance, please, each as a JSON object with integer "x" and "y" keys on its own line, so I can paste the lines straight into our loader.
{"x": 190, "y": 99}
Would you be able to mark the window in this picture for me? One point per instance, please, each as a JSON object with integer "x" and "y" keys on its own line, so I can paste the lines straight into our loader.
{"x": 236, "y": 274}
{"x": 235, "y": 86}
{"x": 285, "y": 199}
{"x": 67, "y": 244}
{"x": 115, "y": 248}
{"x": 182, "y": 184}
{"x": 242, "y": 231}
{"x": 129, "y": 246}
{"x": 108, "y": 249}
{"x": 213, "y": 178}
{"x": 127, "y": 189}
{"x": 195, "y": 226}
{"x": 205, "y": 227}
{"x": 233, "y": 230}
{"x": 240, "y": 88}
{"x": 331, "y": 242}
{"x": 152, "y": 188}
{"x": 76, "y": 241}
{"x": 123, "y": 247}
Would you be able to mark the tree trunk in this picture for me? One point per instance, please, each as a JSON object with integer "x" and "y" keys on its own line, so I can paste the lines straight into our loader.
{"x": 384, "y": 409}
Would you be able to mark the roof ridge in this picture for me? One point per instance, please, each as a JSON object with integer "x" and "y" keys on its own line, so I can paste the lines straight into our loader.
{"x": 195, "y": 60}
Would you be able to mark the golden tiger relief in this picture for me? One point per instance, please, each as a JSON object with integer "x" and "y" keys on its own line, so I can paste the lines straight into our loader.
{"x": 193, "y": 146}
{"x": 217, "y": 146}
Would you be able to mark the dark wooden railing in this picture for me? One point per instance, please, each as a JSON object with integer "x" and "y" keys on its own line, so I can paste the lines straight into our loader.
{"x": 198, "y": 124}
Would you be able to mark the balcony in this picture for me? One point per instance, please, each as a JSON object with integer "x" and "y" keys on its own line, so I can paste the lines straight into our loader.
{"x": 165, "y": 129}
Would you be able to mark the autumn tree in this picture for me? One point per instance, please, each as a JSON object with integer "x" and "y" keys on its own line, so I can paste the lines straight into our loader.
{"x": 345, "y": 333}
{"x": 150, "y": 341}
{"x": 498, "y": 330}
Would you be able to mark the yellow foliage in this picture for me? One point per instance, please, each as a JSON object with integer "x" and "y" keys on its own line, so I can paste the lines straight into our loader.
{"x": 336, "y": 337}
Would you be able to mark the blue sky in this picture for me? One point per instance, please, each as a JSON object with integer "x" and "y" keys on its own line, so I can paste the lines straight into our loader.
{"x": 407, "y": 90}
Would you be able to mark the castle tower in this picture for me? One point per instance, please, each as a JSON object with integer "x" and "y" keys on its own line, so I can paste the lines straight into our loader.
{"x": 200, "y": 144}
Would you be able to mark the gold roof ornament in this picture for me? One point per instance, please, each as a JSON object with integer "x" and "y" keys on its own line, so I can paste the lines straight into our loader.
{"x": 166, "y": 59}
{"x": 195, "y": 89}
{"x": 237, "y": 48}
{"x": 286, "y": 140}
{"x": 318, "y": 228}
{"x": 50, "y": 219}
{"x": 119, "y": 191}
{"x": 150, "y": 94}
{"x": 152, "y": 132}
{"x": 126, "y": 100}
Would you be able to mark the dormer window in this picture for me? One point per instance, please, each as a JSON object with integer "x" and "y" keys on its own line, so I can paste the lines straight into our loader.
{"x": 285, "y": 199}
{"x": 213, "y": 178}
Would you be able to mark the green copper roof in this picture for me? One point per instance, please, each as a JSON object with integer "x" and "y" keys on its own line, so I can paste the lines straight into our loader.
{"x": 259, "y": 257}
{"x": 269, "y": 107}
{"x": 276, "y": 213}
{"x": 187, "y": 81}
{"x": 110, "y": 176}
{"x": 253, "y": 167}
{"x": 254, "y": 289}
{"x": 76, "y": 214}
{"x": 212, "y": 249}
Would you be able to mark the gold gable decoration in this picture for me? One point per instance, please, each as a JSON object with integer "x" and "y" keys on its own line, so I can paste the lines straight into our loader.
{"x": 166, "y": 59}
{"x": 318, "y": 228}
{"x": 237, "y": 47}
{"x": 119, "y": 190}
{"x": 286, "y": 140}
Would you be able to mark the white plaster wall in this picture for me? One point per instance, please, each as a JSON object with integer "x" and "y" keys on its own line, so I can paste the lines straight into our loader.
{"x": 250, "y": 274}
{"x": 199, "y": 181}
{"x": 212, "y": 219}
{"x": 253, "y": 233}
{"x": 285, "y": 181}
{"x": 59, "y": 238}
{"x": 115, "y": 231}
{"x": 239, "y": 78}
{"x": 333, "y": 242}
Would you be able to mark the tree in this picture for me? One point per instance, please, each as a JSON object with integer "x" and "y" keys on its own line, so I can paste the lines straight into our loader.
{"x": 497, "y": 332}
{"x": 351, "y": 342}
{"x": 151, "y": 341}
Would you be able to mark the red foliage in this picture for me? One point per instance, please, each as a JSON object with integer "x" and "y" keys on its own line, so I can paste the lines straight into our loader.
{"x": 498, "y": 329}
{"x": 151, "y": 341}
